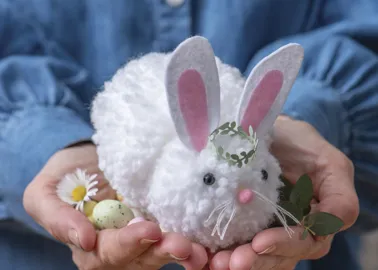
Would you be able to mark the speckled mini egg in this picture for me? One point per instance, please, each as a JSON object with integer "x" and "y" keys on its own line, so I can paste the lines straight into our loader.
{"x": 88, "y": 208}
{"x": 111, "y": 214}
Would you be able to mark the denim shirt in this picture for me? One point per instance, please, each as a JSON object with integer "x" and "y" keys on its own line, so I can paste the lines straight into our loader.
{"x": 56, "y": 55}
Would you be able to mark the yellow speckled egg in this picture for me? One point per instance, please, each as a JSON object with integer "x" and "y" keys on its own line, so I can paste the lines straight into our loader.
{"x": 111, "y": 214}
{"x": 88, "y": 208}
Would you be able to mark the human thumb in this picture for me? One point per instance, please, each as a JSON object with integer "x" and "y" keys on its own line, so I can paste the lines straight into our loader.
{"x": 61, "y": 220}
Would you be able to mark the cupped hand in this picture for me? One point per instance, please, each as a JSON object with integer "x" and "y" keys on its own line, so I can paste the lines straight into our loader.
{"x": 140, "y": 245}
{"x": 300, "y": 150}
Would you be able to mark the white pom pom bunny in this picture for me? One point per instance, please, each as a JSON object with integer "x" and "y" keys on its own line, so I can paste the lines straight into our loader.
{"x": 155, "y": 123}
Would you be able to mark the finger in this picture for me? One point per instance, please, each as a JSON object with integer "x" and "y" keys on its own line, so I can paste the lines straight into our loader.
{"x": 276, "y": 242}
{"x": 173, "y": 247}
{"x": 265, "y": 262}
{"x": 60, "y": 219}
{"x": 334, "y": 186}
{"x": 243, "y": 258}
{"x": 121, "y": 246}
{"x": 197, "y": 260}
{"x": 104, "y": 189}
{"x": 221, "y": 260}
{"x": 155, "y": 259}
{"x": 84, "y": 259}
{"x": 331, "y": 171}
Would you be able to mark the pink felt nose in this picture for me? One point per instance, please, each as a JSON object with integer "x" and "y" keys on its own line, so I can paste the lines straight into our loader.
{"x": 245, "y": 196}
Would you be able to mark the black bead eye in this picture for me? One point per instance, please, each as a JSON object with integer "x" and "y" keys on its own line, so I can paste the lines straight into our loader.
{"x": 264, "y": 175}
{"x": 209, "y": 179}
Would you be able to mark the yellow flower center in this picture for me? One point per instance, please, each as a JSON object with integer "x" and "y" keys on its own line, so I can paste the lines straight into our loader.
{"x": 78, "y": 193}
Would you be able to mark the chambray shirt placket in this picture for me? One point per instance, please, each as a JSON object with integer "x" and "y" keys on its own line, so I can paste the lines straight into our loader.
{"x": 172, "y": 22}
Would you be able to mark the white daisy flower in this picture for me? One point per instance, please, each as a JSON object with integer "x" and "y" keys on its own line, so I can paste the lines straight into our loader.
{"x": 77, "y": 188}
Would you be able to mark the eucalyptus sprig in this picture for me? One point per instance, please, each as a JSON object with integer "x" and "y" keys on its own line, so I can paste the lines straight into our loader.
{"x": 296, "y": 198}
{"x": 230, "y": 128}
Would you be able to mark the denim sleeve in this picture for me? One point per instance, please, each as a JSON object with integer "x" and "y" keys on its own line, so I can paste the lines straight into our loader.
{"x": 336, "y": 89}
{"x": 337, "y": 93}
{"x": 40, "y": 112}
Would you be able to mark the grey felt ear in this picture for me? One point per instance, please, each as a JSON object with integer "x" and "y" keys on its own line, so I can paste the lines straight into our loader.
{"x": 267, "y": 88}
{"x": 192, "y": 85}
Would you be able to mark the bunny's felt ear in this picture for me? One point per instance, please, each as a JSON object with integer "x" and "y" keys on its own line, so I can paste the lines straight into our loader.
{"x": 267, "y": 88}
{"x": 193, "y": 93}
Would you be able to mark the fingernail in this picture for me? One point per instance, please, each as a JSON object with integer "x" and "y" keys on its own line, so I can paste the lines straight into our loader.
{"x": 135, "y": 220}
{"x": 74, "y": 238}
{"x": 148, "y": 241}
{"x": 177, "y": 258}
{"x": 268, "y": 250}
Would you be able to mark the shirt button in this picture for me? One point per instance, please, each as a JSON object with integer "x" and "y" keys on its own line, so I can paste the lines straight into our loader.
{"x": 175, "y": 3}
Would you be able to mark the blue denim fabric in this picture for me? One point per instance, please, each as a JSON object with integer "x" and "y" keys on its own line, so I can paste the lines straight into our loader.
{"x": 55, "y": 56}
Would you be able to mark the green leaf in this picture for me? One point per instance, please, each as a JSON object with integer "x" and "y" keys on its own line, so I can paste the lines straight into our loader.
{"x": 250, "y": 153}
{"x": 285, "y": 181}
{"x": 245, "y": 160}
{"x": 286, "y": 189}
{"x": 304, "y": 234}
{"x": 302, "y": 192}
{"x": 224, "y": 132}
{"x": 285, "y": 192}
{"x": 323, "y": 224}
{"x": 292, "y": 209}
{"x": 250, "y": 130}
{"x": 243, "y": 153}
{"x": 236, "y": 157}
{"x": 306, "y": 210}
{"x": 224, "y": 126}
{"x": 233, "y": 125}
{"x": 240, "y": 164}
{"x": 228, "y": 155}
{"x": 220, "y": 150}
{"x": 243, "y": 135}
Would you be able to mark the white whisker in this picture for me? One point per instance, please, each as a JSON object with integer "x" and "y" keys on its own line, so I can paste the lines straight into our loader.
{"x": 219, "y": 221}
{"x": 282, "y": 219}
{"x": 229, "y": 221}
{"x": 216, "y": 209}
{"x": 278, "y": 207}
{"x": 288, "y": 214}
{"x": 280, "y": 213}
{"x": 223, "y": 207}
{"x": 284, "y": 223}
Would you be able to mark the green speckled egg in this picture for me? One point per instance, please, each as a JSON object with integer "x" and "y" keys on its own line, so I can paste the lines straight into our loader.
{"x": 111, "y": 214}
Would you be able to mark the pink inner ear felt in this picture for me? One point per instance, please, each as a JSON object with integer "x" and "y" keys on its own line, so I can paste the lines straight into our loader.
{"x": 193, "y": 104}
{"x": 262, "y": 99}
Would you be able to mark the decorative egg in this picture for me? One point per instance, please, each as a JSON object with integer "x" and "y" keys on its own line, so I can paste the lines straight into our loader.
{"x": 111, "y": 214}
{"x": 88, "y": 208}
